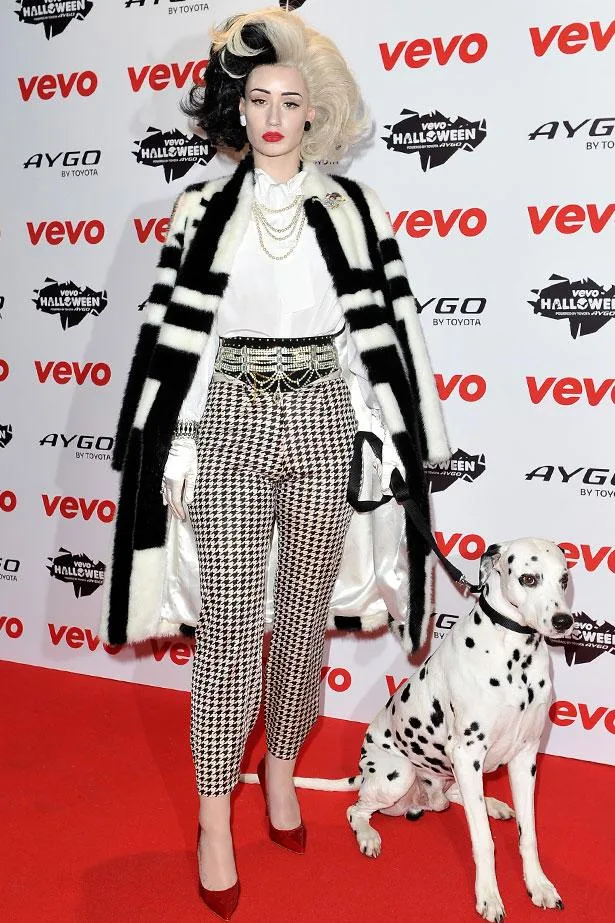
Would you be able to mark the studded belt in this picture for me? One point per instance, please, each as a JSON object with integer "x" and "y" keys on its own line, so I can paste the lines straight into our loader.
{"x": 277, "y": 365}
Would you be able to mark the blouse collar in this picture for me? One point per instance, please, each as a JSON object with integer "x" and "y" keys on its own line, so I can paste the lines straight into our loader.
{"x": 269, "y": 192}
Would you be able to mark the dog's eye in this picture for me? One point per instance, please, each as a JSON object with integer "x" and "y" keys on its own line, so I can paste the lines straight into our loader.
{"x": 528, "y": 580}
{"x": 564, "y": 581}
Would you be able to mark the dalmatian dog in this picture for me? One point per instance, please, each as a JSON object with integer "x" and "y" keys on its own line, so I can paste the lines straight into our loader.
{"x": 480, "y": 701}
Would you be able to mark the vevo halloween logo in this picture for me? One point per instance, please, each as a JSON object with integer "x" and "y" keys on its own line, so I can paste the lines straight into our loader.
{"x": 78, "y": 569}
{"x": 588, "y": 641}
{"x": 70, "y": 302}
{"x": 174, "y": 151}
{"x": 55, "y": 17}
{"x": 586, "y": 305}
{"x": 434, "y": 137}
{"x": 460, "y": 466}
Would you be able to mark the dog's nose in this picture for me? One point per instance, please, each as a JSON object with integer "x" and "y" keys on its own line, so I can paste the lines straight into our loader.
{"x": 562, "y": 621}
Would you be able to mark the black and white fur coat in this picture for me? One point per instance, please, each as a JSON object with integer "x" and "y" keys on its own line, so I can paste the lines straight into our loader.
{"x": 144, "y": 595}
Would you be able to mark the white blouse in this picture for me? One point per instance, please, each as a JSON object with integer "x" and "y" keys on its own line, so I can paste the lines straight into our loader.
{"x": 292, "y": 297}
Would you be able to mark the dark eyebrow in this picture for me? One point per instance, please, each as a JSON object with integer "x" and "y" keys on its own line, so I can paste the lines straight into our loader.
{"x": 285, "y": 93}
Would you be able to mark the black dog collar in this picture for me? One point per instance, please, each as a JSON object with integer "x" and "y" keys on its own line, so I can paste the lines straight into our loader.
{"x": 498, "y": 619}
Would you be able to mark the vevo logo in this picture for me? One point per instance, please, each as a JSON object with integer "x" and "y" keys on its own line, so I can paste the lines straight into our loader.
{"x": 159, "y": 76}
{"x": 157, "y": 226}
{"x": 470, "y": 222}
{"x": 47, "y": 85}
{"x": 591, "y": 560}
{"x": 11, "y": 626}
{"x": 469, "y": 388}
{"x": 565, "y": 713}
{"x": 566, "y": 391}
{"x": 338, "y": 679}
{"x": 471, "y": 546}
{"x": 568, "y": 219}
{"x": 55, "y": 232}
{"x": 75, "y": 638}
{"x": 99, "y": 373}
{"x": 420, "y": 51}
{"x": 572, "y": 38}
{"x": 70, "y": 507}
{"x": 8, "y": 501}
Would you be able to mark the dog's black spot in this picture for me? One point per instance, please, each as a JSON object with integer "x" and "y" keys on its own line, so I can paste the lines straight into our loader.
{"x": 369, "y": 738}
{"x": 416, "y": 748}
{"x": 397, "y": 735}
{"x": 481, "y": 736}
{"x": 449, "y": 737}
{"x": 439, "y": 747}
{"x": 541, "y": 683}
{"x": 422, "y": 739}
{"x": 467, "y": 732}
{"x": 509, "y": 664}
{"x": 494, "y": 681}
{"x": 437, "y": 716}
{"x": 451, "y": 707}
{"x": 526, "y": 662}
{"x": 414, "y": 722}
{"x": 536, "y": 642}
{"x": 371, "y": 769}
{"x": 516, "y": 654}
{"x": 406, "y": 693}
{"x": 393, "y": 709}
{"x": 389, "y": 702}
{"x": 469, "y": 642}
{"x": 474, "y": 726}
{"x": 509, "y": 678}
{"x": 533, "y": 769}
{"x": 422, "y": 673}
{"x": 533, "y": 558}
{"x": 522, "y": 706}
{"x": 427, "y": 781}
{"x": 370, "y": 763}
{"x": 511, "y": 558}
{"x": 351, "y": 780}
{"x": 363, "y": 751}
{"x": 408, "y": 732}
{"x": 510, "y": 570}
{"x": 469, "y": 743}
{"x": 386, "y": 746}
{"x": 387, "y": 733}
{"x": 434, "y": 761}
{"x": 530, "y": 695}
{"x": 530, "y": 639}
{"x": 519, "y": 829}
{"x": 484, "y": 746}
{"x": 392, "y": 775}
{"x": 429, "y": 729}
{"x": 477, "y": 619}
{"x": 476, "y": 765}
{"x": 523, "y": 678}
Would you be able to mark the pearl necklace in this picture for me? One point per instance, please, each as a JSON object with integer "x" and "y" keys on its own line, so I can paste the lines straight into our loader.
{"x": 293, "y": 228}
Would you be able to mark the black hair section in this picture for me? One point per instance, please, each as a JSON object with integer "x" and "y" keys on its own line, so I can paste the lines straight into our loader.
{"x": 214, "y": 106}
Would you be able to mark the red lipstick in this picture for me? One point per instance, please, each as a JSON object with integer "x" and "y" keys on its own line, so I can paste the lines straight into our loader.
{"x": 272, "y": 136}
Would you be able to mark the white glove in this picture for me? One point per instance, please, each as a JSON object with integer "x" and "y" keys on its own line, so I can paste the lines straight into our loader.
{"x": 179, "y": 475}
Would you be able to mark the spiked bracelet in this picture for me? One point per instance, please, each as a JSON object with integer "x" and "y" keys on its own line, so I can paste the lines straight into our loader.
{"x": 185, "y": 428}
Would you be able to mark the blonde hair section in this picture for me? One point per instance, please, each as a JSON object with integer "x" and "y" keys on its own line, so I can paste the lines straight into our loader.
{"x": 341, "y": 117}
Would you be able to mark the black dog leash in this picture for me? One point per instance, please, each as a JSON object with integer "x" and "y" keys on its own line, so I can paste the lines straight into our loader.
{"x": 402, "y": 495}
{"x": 498, "y": 619}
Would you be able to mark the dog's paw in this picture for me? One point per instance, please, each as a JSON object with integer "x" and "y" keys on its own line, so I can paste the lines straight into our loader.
{"x": 498, "y": 809}
{"x": 370, "y": 843}
{"x": 489, "y": 904}
{"x": 543, "y": 894}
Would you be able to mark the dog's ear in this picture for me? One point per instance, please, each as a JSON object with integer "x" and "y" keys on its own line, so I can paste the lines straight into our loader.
{"x": 488, "y": 561}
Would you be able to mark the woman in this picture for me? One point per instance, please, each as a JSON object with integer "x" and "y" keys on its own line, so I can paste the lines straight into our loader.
{"x": 280, "y": 294}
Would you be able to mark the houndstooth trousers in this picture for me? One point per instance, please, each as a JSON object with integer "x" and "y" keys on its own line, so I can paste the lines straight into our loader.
{"x": 260, "y": 461}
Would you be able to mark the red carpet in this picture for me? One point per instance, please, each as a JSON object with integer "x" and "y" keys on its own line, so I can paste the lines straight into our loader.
{"x": 99, "y": 824}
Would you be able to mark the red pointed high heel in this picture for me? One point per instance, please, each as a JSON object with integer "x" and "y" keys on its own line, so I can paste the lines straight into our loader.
{"x": 222, "y": 903}
{"x": 290, "y": 839}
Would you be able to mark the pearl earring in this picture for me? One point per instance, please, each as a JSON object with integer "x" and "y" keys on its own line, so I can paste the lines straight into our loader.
{"x": 242, "y": 119}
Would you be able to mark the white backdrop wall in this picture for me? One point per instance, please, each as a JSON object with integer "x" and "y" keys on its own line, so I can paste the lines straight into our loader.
{"x": 487, "y": 211}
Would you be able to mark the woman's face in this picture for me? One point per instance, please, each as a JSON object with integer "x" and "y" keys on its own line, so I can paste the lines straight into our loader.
{"x": 276, "y": 107}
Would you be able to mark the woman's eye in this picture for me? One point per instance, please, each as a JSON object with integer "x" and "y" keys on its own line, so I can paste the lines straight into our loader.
{"x": 291, "y": 105}
{"x": 257, "y": 101}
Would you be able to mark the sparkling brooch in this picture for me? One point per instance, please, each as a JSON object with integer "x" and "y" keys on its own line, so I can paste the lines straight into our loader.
{"x": 331, "y": 200}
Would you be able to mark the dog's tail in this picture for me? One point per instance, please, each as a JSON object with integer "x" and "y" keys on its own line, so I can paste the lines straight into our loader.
{"x": 346, "y": 784}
